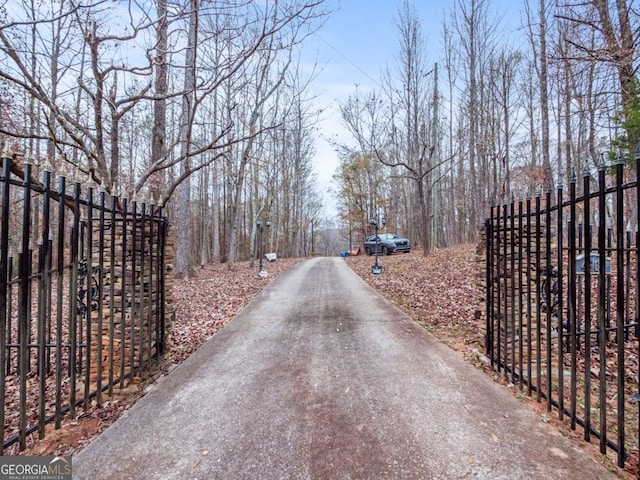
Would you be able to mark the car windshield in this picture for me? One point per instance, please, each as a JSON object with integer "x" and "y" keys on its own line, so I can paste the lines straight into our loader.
{"x": 388, "y": 236}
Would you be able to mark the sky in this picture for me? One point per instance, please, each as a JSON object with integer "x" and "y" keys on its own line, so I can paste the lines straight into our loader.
{"x": 355, "y": 45}
{"x": 352, "y": 48}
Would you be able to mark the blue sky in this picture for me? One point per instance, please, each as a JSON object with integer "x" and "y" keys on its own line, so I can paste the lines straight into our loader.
{"x": 355, "y": 46}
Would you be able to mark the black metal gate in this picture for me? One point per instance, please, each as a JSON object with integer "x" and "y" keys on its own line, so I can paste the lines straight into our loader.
{"x": 82, "y": 296}
{"x": 562, "y": 302}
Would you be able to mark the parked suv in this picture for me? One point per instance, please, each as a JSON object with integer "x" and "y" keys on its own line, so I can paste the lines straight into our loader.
{"x": 387, "y": 244}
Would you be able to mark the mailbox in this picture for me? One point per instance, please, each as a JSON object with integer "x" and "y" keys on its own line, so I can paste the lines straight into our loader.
{"x": 595, "y": 264}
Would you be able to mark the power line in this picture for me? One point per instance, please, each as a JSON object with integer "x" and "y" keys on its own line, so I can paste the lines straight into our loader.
{"x": 357, "y": 67}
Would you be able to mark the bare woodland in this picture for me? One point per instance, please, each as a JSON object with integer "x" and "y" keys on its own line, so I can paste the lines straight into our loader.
{"x": 199, "y": 107}
{"x": 202, "y": 107}
{"x": 501, "y": 110}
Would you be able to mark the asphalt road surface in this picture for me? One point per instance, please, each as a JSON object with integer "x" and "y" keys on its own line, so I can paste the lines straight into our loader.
{"x": 319, "y": 377}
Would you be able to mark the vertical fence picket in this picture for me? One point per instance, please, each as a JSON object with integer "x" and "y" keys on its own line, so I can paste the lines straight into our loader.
{"x": 627, "y": 282}
{"x": 112, "y": 292}
{"x": 488, "y": 275}
{"x": 134, "y": 286}
{"x": 159, "y": 279}
{"x": 602, "y": 302}
{"x": 580, "y": 285}
{"x": 548, "y": 300}
{"x": 511, "y": 325}
{"x": 10, "y": 311}
{"x": 101, "y": 295}
{"x": 80, "y": 291}
{"x": 538, "y": 298}
{"x": 560, "y": 309}
{"x": 62, "y": 186}
{"x": 573, "y": 317}
{"x": 73, "y": 298}
{"x": 162, "y": 278}
{"x": 140, "y": 305}
{"x": 89, "y": 298}
{"x": 152, "y": 303}
{"x": 141, "y": 282}
{"x": 610, "y": 250}
{"x": 123, "y": 293}
{"x": 587, "y": 303}
{"x": 497, "y": 312}
{"x": 50, "y": 272}
{"x": 620, "y": 306}
{"x": 520, "y": 297}
{"x": 24, "y": 299}
{"x": 529, "y": 296}
{"x": 4, "y": 277}
{"x": 43, "y": 303}
{"x": 504, "y": 314}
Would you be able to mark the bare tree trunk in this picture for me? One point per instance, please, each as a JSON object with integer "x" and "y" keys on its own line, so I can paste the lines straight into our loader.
{"x": 544, "y": 92}
{"x": 473, "y": 110}
{"x": 183, "y": 192}
{"x": 52, "y": 124}
{"x": 234, "y": 214}
{"x": 621, "y": 48}
{"x": 410, "y": 118}
{"x": 204, "y": 217}
{"x": 159, "y": 130}
{"x": 566, "y": 105}
{"x": 215, "y": 214}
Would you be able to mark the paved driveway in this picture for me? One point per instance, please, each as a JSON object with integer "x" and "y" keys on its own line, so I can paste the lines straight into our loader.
{"x": 319, "y": 377}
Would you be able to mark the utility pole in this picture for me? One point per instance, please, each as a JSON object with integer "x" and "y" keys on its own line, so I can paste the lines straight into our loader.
{"x": 435, "y": 165}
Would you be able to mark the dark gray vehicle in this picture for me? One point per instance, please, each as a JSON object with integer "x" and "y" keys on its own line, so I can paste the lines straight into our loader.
{"x": 387, "y": 244}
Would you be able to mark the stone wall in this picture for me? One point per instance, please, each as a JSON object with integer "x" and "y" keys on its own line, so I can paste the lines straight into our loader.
{"x": 516, "y": 271}
{"x": 128, "y": 336}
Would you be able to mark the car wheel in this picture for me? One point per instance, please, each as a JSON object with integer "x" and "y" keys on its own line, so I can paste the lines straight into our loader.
{"x": 385, "y": 251}
{"x": 367, "y": 251}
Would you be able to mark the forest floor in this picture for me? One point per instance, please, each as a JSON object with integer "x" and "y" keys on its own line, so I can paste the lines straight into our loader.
{"x": 439, "y": 292}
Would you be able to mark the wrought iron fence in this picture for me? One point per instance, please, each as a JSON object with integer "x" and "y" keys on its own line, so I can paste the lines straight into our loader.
{"x": 82, "y": 297}
{"x": 562, "y": 302}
